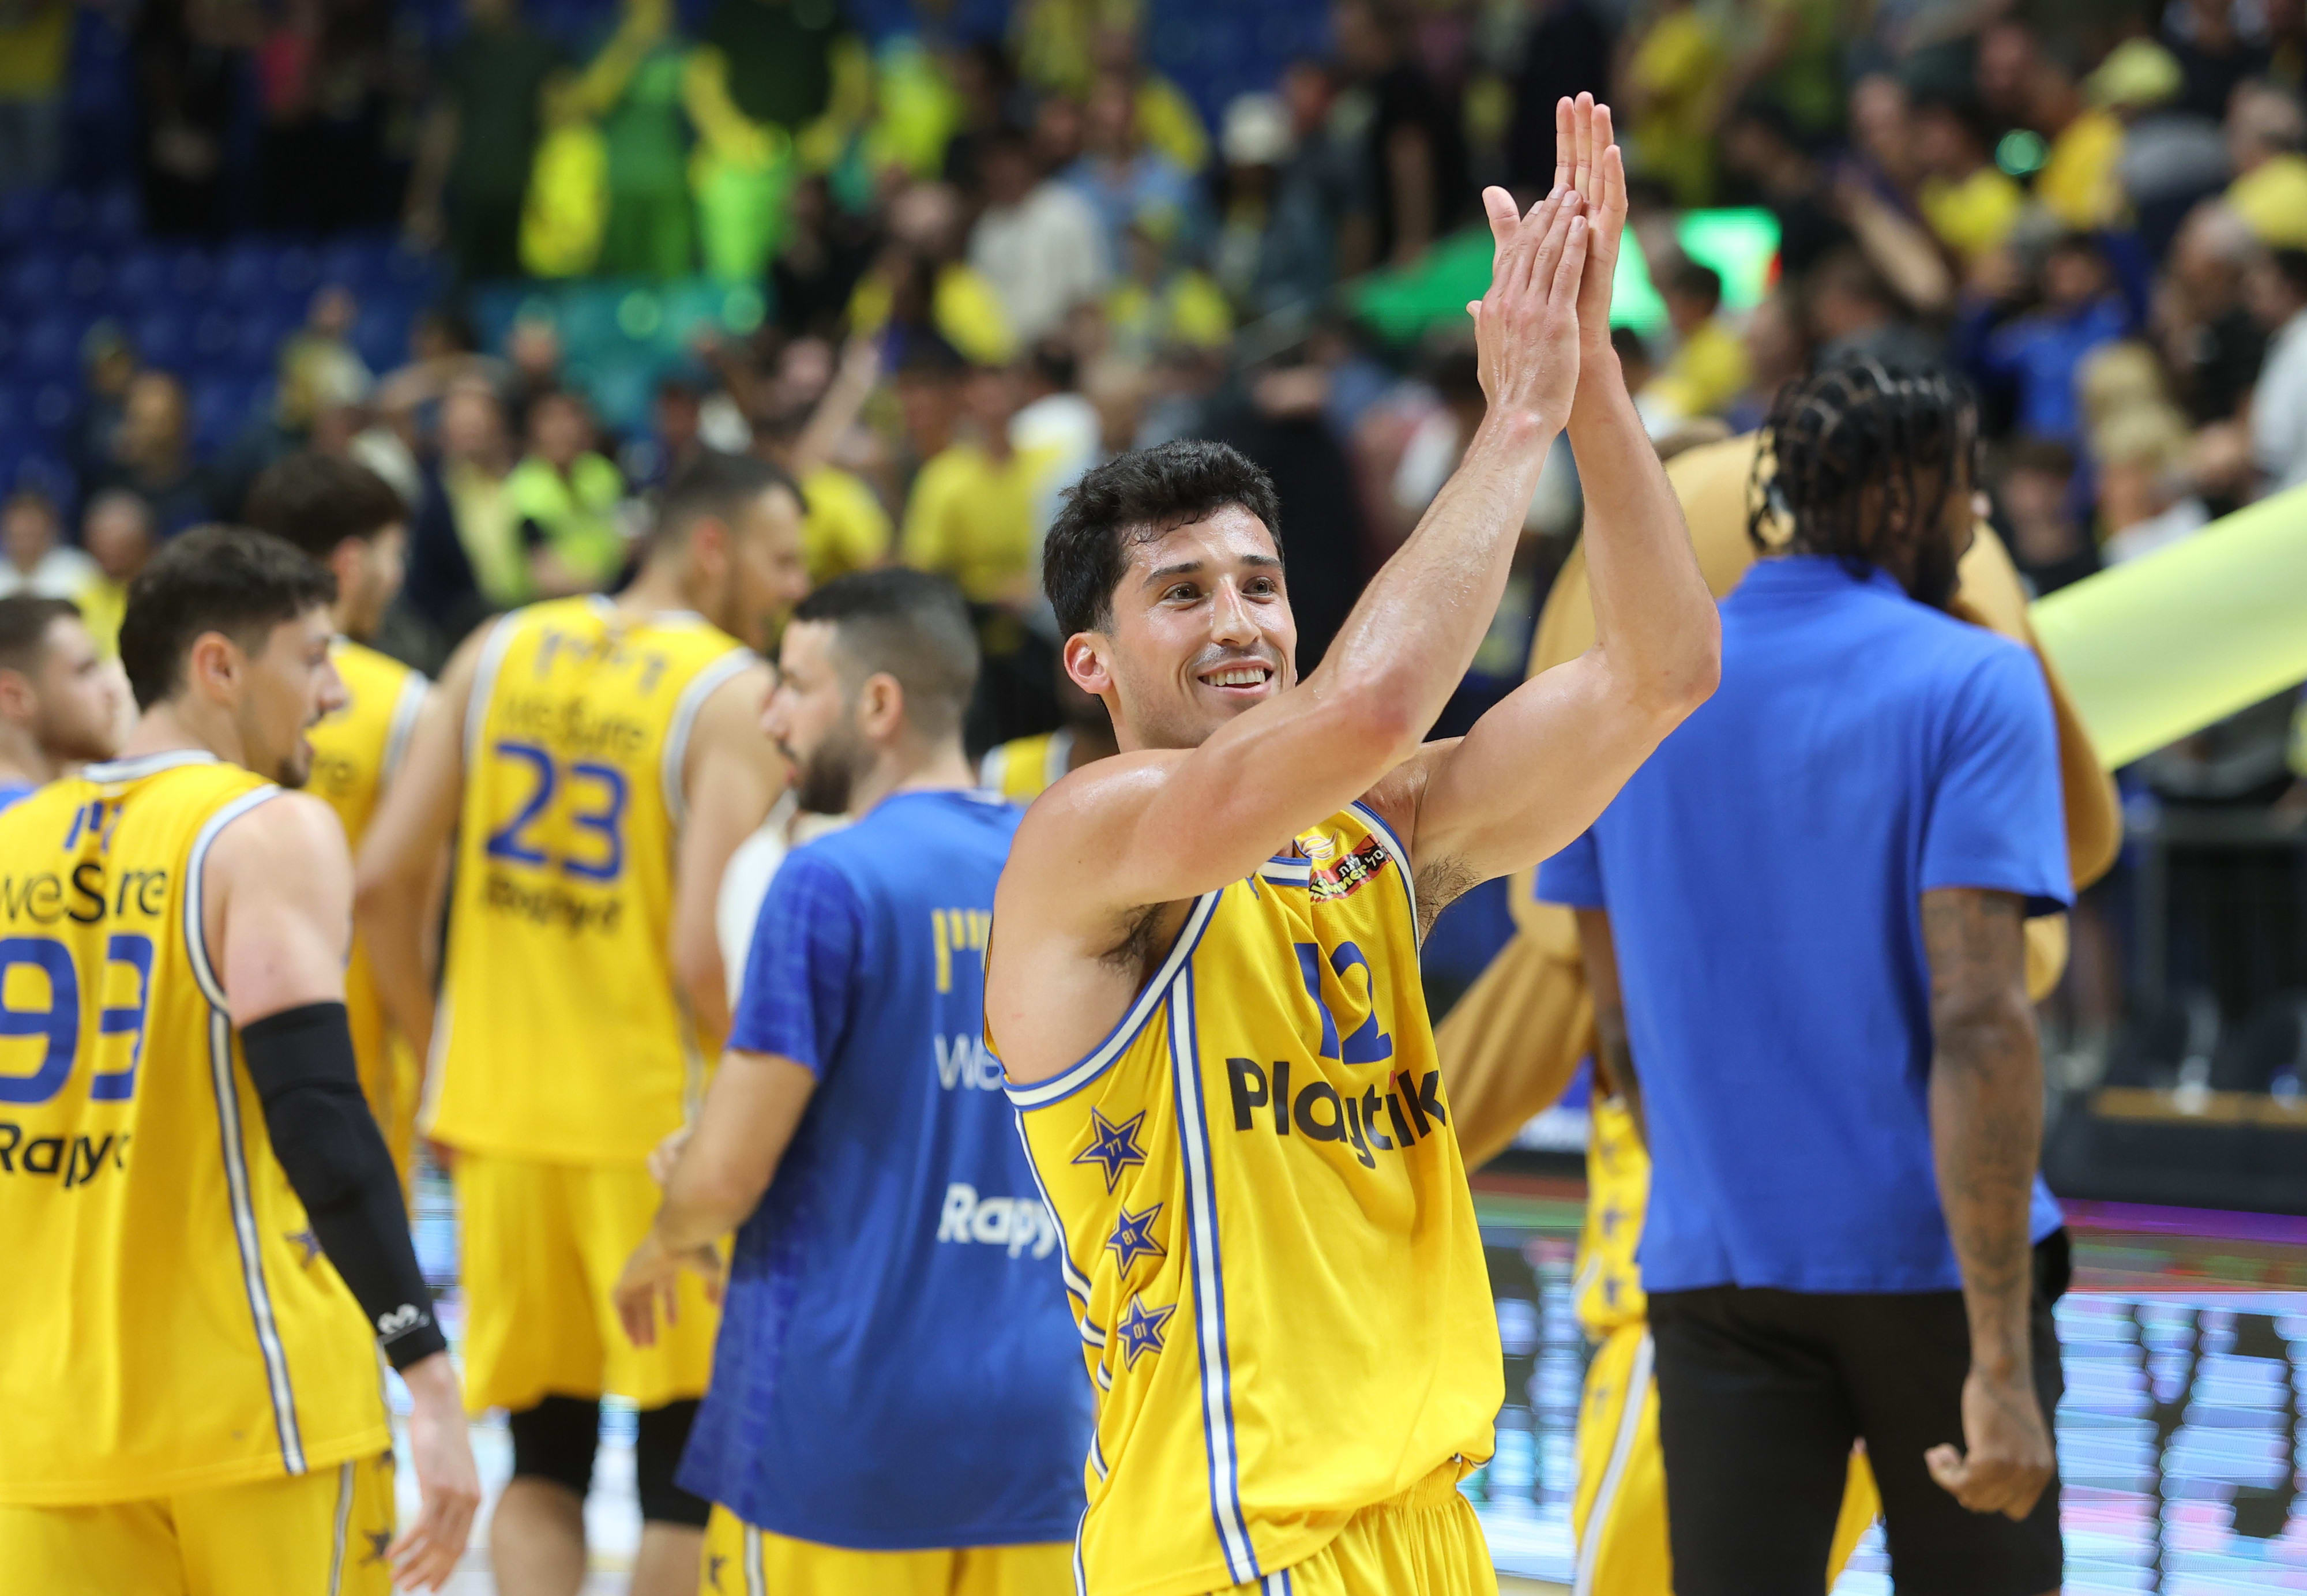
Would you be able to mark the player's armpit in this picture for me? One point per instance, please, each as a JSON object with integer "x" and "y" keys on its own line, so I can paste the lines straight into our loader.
{"x": 396, "y": 884}
{"x": 733, "y": 777}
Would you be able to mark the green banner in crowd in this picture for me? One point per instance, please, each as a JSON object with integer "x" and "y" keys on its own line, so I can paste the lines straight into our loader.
{"x": 2160, "y": 648}
{"x": 1739, "y": 244}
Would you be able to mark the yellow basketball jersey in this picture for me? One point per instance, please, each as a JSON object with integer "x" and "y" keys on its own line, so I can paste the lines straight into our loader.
{"x": 1024, "y": 768}
{"x": 355, "y": 752}
{"x": 1608, "y": 1289}
{"x": 171, "y": 1324}
{"x": 1269, "y": 1244}
{"x": 560, "y": 1036}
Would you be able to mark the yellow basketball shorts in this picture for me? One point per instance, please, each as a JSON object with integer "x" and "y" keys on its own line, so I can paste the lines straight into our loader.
{"x": 323, "y": 1532}
{"x": 742, "y": 1560}
{"x": 1424, "y": 1542}
{"x": 1618, "y": 1513}
{"x": 543, "y": 1245}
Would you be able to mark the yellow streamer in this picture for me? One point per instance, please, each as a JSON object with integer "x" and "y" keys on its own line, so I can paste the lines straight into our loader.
{"x": 2162, "y": 647}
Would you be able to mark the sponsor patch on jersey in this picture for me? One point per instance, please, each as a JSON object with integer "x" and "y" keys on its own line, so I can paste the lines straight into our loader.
{"x": 1017, "y": 1223}
{"x": 1349, "y": 874}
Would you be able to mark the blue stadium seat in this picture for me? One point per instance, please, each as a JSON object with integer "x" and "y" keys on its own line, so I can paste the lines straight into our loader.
{"x": 359, "y": 264}
{"x": 53, "y": 406}
{"x": 191, "y": 271}
{"x": 215, "y": 337}
{"x": 15, "y": 408}
{"x": 42, "y": 470}
{"x": 244, "y": 271}
{"x": 141, "y": 278}
{"x": 164, "y": 338}
{"x": 381, "y": 336}
{"x": 297, "y": 272}
{"x": 10, "y": 335}
{"x": 221, "y": 408}
{"x": 51, "y": 347}
{"x": 117, "y": 215}
{"x": 419, "y": 275}
{"x": 36, "y": 281}
{"x": 87, "y": 276}
{"x": 262, "y": 330}
{"x": 68, "y": 215}
{"x": 20, "y": 216}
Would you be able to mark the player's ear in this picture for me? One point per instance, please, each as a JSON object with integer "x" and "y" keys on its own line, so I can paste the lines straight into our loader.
{"x": 1085, "y": 662}
{"x": 17, "y": 699}
{"x": 212, "y": 664}
{"x": 881, "y": 707}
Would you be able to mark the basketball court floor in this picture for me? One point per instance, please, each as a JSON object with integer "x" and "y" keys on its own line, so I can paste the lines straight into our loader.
{"x": 2180, "y": 1438}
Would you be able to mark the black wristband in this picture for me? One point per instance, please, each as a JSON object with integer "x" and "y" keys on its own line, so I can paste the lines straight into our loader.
{"x": 327, "y": 1142}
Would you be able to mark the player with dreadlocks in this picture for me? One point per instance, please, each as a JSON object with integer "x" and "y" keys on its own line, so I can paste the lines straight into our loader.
{"x": 1862, "y": 460}
{"x": 1801, "y": 923}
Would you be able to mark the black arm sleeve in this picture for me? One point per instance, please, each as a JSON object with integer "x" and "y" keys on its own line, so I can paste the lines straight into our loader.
{"x": 301, "y": 1060}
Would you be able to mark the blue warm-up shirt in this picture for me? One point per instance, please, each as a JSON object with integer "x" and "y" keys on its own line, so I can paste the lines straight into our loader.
{"x": 1763, "y": 874}
{"x": 898, "y": 1369}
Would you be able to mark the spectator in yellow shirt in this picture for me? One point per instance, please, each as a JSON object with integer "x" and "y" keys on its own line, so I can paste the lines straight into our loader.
{"x": 1161, "y": 303}
{"x": 1710, "y": 367}
{"x": 1968, "y": 202}
{"x": 1674, "y": 84}
{"x": 972, "y": 516}
{"x": 2266, "y": 129}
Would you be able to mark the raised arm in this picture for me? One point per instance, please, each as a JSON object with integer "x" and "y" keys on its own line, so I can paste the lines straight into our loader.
{"x": 394, "y": 900}
{"x": 1160, "y": 825}
{"x": 278, "y": 885}
{"x": 1535, "y": 771}
{"x": 1987, "y": 1133}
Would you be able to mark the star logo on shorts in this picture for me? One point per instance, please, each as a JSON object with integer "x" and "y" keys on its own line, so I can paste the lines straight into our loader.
{"x": 310, "y": 1244}
{"x": 713, "y": 1565}
{"x": 1113, "y": 1148}
{"x": 380, "y": 1542}
{"x": 1140, "y": 1330}
{"x": 1133, "y": 1238}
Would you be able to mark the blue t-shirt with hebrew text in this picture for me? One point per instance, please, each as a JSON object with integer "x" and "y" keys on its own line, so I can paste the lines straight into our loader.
{"x": 1763, "y": 874}
{"x": 898, "y": 1369}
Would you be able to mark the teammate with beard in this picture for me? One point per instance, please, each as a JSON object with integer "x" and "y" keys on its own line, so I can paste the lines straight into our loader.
{"x": 596, "y": 761}
{"x": 206, "y": 1246}
{"x": 1846, "y": 1237}
{"x": 1204, "y": 978}
{"x": 892, "y": 1279}
{"x": 59, "y": 705}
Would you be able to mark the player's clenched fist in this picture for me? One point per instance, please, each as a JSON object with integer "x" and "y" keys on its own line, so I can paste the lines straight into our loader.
{"x": 1526, "y": 326}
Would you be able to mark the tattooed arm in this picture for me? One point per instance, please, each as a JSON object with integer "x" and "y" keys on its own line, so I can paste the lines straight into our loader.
{"x": 1986, "y": 1134}
{"x": 1614, "y": 1058}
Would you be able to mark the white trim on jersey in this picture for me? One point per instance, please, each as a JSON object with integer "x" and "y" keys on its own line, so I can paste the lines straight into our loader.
{"x": 1622, "y": 1446}
{"x": 700, "y": 687}
{"x": 1209, "y": 1287}
{"x": 228, "y": 1134}
{"x": 484, "y": 687}
{"x": 105, "y": 773}
{"x": 344, "y": 1525}
{"x": 405, "y": 711}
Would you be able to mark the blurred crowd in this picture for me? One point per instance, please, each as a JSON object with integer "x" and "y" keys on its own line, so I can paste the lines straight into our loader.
{"x": 984, "y": 245}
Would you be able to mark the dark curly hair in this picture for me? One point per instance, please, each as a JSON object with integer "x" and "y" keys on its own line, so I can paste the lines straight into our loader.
{"x": 1857, "y": 458}
{"x": 1131, "y": 499}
